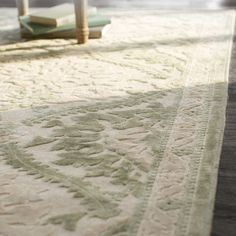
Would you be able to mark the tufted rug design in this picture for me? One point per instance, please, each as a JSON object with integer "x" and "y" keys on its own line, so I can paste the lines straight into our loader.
{"x": 121, "y": 136}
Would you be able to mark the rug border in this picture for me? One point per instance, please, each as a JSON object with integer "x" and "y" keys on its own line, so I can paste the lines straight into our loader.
{"x": 205, "y": 207}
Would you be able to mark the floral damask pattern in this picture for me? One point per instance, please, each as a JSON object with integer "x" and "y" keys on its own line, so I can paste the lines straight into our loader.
{"x": 124, "y": 147}
{"x": 110, "y": 143}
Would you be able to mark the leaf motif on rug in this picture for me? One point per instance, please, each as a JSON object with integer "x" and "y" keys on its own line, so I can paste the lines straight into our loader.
{"x": 117, "y": 137}
{"x": 107, "y": 146}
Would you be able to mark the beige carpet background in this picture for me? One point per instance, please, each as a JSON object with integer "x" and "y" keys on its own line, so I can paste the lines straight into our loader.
{"x": 121, "y": 136}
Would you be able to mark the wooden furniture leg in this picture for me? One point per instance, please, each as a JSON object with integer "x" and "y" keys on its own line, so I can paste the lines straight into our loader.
{"x": 82, "y": 30}
{"x": 22, "y": 7}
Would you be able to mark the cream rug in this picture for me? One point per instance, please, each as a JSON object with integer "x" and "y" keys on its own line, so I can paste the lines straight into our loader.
{"x": 118, "y": 137}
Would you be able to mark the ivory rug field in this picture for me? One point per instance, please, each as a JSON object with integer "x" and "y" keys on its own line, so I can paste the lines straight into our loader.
{"x": 118, "y": 137}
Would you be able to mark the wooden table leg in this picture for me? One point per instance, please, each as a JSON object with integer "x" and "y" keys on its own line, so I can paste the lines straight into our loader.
{"x": 22, "y": 7}
{"x": 82, "y": 30}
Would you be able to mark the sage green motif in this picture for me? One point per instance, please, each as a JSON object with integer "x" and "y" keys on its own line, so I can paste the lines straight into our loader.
{"x": 119, "y": 137}
{"x": 83, "y": 140}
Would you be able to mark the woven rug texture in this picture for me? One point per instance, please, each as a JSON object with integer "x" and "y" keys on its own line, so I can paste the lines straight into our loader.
{"x": 121, "y": 136}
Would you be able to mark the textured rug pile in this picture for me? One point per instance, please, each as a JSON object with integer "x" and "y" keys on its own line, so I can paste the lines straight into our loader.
{"x": 121, "y": 136}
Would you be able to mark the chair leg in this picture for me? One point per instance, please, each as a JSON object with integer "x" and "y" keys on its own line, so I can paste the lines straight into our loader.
{"x": 82, "y": 30}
